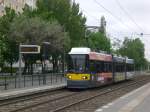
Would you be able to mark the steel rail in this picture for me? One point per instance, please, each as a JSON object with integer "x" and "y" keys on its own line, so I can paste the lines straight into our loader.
{"x": 77, "y": 102}
{"x": 89, "y": 98}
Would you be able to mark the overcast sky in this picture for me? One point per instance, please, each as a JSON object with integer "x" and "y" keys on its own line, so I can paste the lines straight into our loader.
{"x": 124, "y": 17}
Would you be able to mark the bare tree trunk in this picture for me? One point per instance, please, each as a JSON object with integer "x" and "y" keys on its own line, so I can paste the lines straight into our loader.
{"x": 11, "y": 68}
{"x": 31, "y": 68}
{"x": 25, "y": 68}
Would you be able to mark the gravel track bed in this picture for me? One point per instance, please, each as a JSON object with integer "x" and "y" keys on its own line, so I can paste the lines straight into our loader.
{"x": 26, "y": 101}
{"x": 97, "y": 102}
{"x": 52, "y": 103}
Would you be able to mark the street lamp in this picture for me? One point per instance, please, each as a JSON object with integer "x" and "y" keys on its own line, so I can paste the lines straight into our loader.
{"x": 20, "y": 58}
{"x": 45, "y": 44}
{"x": 86, "y": 37}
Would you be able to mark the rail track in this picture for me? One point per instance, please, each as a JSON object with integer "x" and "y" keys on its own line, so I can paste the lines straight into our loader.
{"x": 100, "y": 94}
{"x": 15, "y": 104}
{"x": 65, "y": 100}
{"x": 28, "y": 97}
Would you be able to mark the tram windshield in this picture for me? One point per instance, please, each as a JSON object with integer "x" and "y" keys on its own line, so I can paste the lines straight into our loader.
{"x": 77, "y": 63}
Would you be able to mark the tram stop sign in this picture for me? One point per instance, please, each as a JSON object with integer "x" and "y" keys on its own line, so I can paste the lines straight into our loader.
{"x": 29, "y": 49}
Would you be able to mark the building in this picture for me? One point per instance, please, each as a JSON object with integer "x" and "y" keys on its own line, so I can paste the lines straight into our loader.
{"x": 1, "y": 7}
{"x": 102, "y": 28}
{"x": 17, "y": 5}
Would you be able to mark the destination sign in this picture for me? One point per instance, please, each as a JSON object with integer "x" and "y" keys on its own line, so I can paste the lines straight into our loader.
{"x": 29, "y": 49}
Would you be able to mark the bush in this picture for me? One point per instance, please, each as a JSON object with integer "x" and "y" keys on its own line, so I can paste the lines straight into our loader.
{"x": 8, "y": 70}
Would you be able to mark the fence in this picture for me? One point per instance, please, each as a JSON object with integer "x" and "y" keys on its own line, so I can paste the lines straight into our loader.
{"x": 13, "y": 81}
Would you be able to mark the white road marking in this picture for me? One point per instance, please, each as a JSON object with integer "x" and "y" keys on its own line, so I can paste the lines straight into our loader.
{"x": 105, "y": 106}
{"x": 109, "y": 104}
{"x": 99, "y": 110}
{"x": 135, "y": 102}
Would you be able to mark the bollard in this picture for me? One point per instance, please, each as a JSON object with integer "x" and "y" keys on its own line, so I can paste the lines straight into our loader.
{"x": 24, "y": 80}
{"x": 32, "y": 79}
{"x": 5, "y": 83}
{"x": 39, "y": 79}
{"x": 15, "y": 81}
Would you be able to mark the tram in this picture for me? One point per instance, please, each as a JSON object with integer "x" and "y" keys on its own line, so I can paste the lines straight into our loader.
{"x": 87, "y": 69}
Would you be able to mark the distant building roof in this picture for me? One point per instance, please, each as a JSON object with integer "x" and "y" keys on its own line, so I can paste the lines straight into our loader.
{"x": 129, "y": 61}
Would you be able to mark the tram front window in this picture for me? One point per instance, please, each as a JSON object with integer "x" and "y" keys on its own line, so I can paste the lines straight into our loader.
{"x": 77, "y": 63}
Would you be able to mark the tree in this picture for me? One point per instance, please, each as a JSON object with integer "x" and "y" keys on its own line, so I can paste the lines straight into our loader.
{"x": 35, "y": 30}
{"x": 67, "y": 14}
{"x": 7, "y": 48}
{"x": 134, "y": 48}
{"x": 2, "y": 51}
{"x": 99, "y": 41}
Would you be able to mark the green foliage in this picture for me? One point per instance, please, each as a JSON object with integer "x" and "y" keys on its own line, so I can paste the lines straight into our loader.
{"x": 5, "y": 21}
{"x": 7, "y": 48}
{"x": 2, "y": 50}
{"x": 67, "y": 14}
{"x": 9, "y": 70}
{"x": 99, "y": 41}
{"x": 36, "y": 31}
{"x": 134, "y": 48}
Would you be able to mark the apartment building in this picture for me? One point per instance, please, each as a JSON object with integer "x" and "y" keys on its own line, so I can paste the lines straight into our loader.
{"x": 1, "y": 7}
{"x": 17, "y": 5}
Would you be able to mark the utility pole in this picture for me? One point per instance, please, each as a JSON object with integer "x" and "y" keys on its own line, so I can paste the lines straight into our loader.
{"x": 86, "y": 37}
{"x": 148, "y": 66}
{"x": 20, "y": 74}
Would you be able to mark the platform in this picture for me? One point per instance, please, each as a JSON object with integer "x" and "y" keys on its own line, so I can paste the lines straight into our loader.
{"x": 27, "y": 91}
{"x": 136, "y": 101}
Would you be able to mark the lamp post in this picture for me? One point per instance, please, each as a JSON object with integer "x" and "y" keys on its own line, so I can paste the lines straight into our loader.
{"x": 45, "y": 44}
{"x": 20, "y": 56}
{"x": 86, "y": 37}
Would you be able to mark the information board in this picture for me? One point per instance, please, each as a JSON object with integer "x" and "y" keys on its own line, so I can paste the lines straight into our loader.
{"x": 29, "y": 49}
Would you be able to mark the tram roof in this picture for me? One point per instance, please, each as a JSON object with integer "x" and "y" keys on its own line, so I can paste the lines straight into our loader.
{"x": 118, "y": 59}
{"x": 129, "y": 61}
{"x": 92, "y": 55}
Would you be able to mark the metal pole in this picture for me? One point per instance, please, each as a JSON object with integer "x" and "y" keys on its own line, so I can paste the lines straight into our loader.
{"x": 87, "y": 43}
{"x": 63, "y": 62}
{"x": 44, "y": 78}
{"x": 19, "y": 65}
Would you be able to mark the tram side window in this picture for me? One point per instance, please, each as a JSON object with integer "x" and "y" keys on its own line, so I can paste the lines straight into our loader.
{"x": 123, "y": 67}
{"x": 130, "y": 67}
{"x": 110, "y": 67}
{"x": 69, "y": 63}
{"x": 107, "y": 67}
{"x": 92, "y": 66}
{"x": 100, "y": 66}
{"x": 87, "y": 64}
{"x": 96, "y": 66}
{"x": 119, "y": 67}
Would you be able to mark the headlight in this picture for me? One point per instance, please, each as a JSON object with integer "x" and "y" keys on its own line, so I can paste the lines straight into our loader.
{"x": 69, "y": 76}
{"x": 84, "y": 77}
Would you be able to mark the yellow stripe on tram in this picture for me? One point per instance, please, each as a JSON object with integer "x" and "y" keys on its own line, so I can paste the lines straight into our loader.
{"x": 73, "y": 76}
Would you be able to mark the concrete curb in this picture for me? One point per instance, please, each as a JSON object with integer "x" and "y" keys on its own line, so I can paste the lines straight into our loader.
{"x": 29, "y": 91}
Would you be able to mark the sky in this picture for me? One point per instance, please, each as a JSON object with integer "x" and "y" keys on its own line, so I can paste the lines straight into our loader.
{"x": 124, "y": 18}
